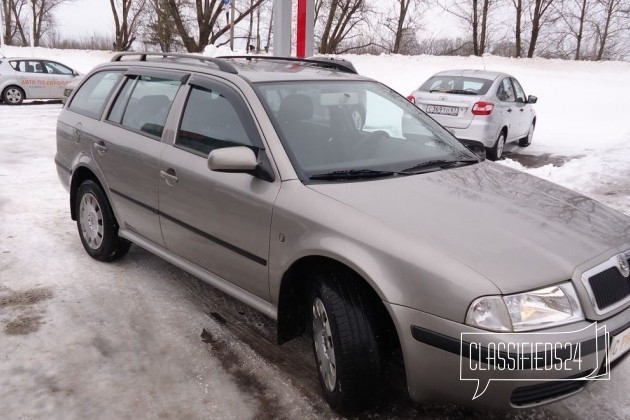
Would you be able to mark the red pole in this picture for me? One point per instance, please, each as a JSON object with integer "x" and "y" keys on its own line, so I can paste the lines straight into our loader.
{"x": 301, "y": 29}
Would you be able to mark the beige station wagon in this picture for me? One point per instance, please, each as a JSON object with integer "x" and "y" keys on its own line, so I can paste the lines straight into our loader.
{"x": 333, "y": 205}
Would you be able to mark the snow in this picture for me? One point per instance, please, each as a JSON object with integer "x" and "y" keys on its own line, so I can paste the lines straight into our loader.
{"x": 123, "y": 340}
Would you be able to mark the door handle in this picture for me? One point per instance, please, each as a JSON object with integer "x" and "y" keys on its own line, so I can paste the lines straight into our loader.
{"x": 100, "y": 148}
{"x": 76, "y": 132}
{"x": 169, "y": 176}
{"x": 522, "y": 110}
{"x": 509, "y": 110}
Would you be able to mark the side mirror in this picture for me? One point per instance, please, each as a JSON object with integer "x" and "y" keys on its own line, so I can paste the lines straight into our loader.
{"x": 531, "y": 99}
{"x": 232, "y": 159}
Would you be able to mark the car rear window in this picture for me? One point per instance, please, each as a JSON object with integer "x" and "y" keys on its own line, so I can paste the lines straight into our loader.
{"x": 92, "y": 96}
{"x": 457, "y": 84}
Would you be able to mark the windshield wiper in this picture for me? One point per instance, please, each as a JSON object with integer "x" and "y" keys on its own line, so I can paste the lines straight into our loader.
{"x": 354, "y": 174}
{"x": 436, "y": 165}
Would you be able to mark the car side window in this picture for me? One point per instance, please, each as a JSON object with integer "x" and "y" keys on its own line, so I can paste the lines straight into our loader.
{"x": 92, "y": 95}
{"x": 56, "y": 68}
{"x": 146, "y": 108}
{"x": 211, "y": 121}
{"x": 120, "y": 104}
{"x": 520, "y": 94}
{"x": 30, "y": 66}
{"x": 505, "y": 92}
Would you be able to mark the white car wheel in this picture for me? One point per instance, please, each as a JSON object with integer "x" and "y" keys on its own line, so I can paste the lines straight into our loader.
{"x": 13, "y": 95}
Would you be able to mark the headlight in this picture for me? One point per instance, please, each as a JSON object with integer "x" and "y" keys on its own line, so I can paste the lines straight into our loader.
{"x": 551, "y": 306}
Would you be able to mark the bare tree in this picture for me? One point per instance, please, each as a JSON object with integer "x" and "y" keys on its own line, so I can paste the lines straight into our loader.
{"x": 402, "y": 24}
{"x": 127, "y": 19}
{"x": 541, "y": 13}
{"x": 342, "y": 18}
{"x": 573, "y": 16}
{"x": 518, "y": 27}
{"x": 476, "y": 15}
{"x": 14, "y": 21}
{"x": 160, "y": 27}
{"x": 613, "y": 19}
{"x": 204, "y": 19}
{"x": 42, "y": 17}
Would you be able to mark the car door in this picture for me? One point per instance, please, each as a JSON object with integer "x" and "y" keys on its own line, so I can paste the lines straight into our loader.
{"x": 32, "y": 78}
{"x": 218, "y": 221}
{"x": 129, "y": 146}
{"x": 523, "y": 109}
{"x": 59, "y": 77}
{"x": 507, "y": 107}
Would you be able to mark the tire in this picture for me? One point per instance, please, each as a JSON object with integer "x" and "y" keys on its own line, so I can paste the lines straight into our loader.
{"x": 13, "y": 95}
{"x": 527, "y": 140}
{"x": 496, "y": 151}
{"x": 97, "y": 225}
{"x": 347, "y": 353}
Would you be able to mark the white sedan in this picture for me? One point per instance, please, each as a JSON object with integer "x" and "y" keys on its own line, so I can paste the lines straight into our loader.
{"x": 33, "y": 78}
{"x": 479, "y": 106}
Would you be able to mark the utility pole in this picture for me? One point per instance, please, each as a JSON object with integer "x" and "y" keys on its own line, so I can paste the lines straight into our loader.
{"x": 232, "y": 8}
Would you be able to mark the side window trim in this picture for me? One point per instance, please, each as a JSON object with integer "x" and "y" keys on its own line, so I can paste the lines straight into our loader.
{"x": 161, "y": 74}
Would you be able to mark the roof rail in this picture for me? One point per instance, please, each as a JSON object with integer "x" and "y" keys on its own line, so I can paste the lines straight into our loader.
{"x": 221, "y": 64}
{"x": 329, "y": 63}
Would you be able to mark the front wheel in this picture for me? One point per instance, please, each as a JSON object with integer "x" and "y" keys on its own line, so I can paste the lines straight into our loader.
{"x": 496, "y": 151}
{"x": 97, "y": 225}
{"x": 345, "y": 343}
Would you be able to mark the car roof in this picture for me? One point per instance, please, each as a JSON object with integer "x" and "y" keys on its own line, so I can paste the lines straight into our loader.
{"x": 28, "y": 58}
{"x": 482, "y": 74}
{"x": 253, "y": 69}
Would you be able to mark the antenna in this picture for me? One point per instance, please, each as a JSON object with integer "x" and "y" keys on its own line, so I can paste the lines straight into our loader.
{"x": 483, "y": 61}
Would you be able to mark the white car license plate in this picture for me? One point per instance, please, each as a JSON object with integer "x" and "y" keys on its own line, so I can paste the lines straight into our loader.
{"x": 619, "y": 345}
{"x": 442, "y": 110}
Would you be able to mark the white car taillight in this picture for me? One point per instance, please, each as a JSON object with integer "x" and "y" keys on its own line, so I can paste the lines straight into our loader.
{"x": 482, "y": 108}
{"x": 411, "y": 99}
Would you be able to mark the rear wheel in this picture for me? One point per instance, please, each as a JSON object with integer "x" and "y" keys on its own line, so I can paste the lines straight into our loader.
{"x": 13, "y": 95}
{"x": 496, "y": 151}
{"x": 527, "y": 140}
{"x": 344, "y": 342}
{"x": 97, "y": 225}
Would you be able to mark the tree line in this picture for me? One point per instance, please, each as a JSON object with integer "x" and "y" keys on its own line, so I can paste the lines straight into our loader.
{"x": 576, "y": 29}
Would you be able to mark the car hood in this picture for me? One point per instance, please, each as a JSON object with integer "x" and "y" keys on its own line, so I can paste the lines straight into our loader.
{"x": 518, "y": 231}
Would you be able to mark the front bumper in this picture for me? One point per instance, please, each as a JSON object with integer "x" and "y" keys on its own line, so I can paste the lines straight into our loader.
{"x": 435, "y": 371}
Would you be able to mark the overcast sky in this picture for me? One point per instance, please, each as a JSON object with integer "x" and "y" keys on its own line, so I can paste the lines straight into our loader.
{"x": 79, "y": 18}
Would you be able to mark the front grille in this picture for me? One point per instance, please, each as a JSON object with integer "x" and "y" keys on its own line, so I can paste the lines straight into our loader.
{"x": 609, "y": 287}
{"x": 533, "y": 394}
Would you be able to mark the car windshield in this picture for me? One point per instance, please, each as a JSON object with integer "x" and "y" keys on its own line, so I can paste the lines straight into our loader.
{"x": 340, "y": 130}
{"x": 461, "y": 85}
